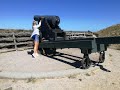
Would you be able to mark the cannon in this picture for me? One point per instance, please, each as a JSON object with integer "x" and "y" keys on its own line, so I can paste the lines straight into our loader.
{"x": 50, "y": 27}
{"x": 56, "y": 38}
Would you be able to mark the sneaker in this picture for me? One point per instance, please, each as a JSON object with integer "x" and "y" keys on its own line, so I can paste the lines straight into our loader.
{"x": 34, "y": 55}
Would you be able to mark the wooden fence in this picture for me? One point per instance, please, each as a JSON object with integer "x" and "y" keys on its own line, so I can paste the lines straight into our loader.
{"x": 15, "y": 40}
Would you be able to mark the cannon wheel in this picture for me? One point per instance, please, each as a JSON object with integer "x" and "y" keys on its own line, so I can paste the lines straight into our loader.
{"x": 41, "y": 50}
{"x": 48, "y": 51}
{"x": 86, "y": 62}
{"x": 102, "y": 57}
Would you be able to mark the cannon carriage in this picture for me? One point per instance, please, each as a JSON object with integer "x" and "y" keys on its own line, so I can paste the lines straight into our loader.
{"x": 56, "y": 38}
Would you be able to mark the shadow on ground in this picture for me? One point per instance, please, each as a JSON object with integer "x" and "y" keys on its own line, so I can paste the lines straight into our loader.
{"x": 77, "y": 63}
{"x": 76, "y": 59}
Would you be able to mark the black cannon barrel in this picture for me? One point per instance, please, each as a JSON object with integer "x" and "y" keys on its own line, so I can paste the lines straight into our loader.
{"x": 50, "y": 26}
{"x": 53, "y": 21}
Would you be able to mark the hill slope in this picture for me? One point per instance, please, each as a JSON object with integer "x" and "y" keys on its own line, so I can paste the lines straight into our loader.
{"x": 111, "y": 31}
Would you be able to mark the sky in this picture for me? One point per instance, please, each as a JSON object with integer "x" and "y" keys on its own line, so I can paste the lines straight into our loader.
{"x": 75, "y": 15}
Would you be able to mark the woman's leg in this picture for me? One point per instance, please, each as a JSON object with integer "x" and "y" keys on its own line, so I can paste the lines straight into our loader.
{"x": 36, "y": 45}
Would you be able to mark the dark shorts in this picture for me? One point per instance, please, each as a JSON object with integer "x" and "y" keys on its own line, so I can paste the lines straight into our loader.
{"x": 35, "y": 37}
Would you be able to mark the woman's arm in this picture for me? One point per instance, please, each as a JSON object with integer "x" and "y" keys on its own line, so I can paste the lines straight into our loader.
{"x": 39, "y": 24}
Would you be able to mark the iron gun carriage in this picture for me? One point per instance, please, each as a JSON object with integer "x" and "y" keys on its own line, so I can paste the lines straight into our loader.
{"x": 56, "y": 38}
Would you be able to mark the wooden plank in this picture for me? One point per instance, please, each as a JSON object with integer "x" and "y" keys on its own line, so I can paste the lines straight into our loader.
{"x": 25, "y": 43}
{"x": 7, "y": 39}
{"x": 21, "y": 39}
{"x": 5, "y": 34}
{"x": 23, "y": 34}
{"x": 2, "y": 45}
{"x": 19, "y": 34}
{"x": 6, "y": 44}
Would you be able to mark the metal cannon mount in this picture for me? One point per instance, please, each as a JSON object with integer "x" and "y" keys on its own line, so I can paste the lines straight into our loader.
{"x": 56, "y": 38}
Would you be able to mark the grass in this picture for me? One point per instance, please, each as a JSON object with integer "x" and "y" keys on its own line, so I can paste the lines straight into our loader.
{"x": 87, "y": 74}
{"x": 110, "y": 55}
{"x": 33, "y": 80}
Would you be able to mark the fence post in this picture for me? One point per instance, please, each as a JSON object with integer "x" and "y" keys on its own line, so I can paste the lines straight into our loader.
{"x": 14, "y": 39}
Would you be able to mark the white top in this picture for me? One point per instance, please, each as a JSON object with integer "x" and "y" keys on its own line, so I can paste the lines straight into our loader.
{"x": 35, "y": 29}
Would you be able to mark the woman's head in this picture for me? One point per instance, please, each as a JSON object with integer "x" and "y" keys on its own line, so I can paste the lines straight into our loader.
{"x": 34, "y": 23}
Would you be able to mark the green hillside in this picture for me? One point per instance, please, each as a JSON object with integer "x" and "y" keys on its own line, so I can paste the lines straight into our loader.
{"x": 111, "y": 31}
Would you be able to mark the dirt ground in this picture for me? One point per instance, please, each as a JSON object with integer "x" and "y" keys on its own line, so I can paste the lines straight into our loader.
{"x": 105, "y": 76}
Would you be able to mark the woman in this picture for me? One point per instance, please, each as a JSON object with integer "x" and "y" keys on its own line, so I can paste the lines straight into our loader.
{"x": 35, "y": 36}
